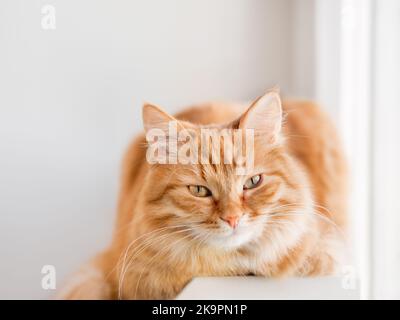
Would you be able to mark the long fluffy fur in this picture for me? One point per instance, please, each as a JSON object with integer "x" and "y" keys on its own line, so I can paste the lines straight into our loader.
{"x": 164, "y": 236}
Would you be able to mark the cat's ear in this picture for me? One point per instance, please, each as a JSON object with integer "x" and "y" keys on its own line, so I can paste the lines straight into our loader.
{"x": 264, "y": 116}
{"x": 163, "y": 133}
{"x": 155, "y": 118}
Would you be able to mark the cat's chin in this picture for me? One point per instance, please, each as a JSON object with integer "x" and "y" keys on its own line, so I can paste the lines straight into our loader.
{"x": 234, "y": 239}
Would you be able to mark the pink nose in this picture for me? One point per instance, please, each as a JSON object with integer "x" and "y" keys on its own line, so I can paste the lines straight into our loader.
{"x": 233, "y": 221}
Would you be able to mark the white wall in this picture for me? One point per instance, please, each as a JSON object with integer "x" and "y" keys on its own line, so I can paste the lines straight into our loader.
{"x": 70, "y": 100}
{"x": 303, "y": 49}
{"x": 386, "y": 156}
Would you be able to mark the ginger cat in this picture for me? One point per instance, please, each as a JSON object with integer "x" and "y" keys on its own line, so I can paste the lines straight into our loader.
{"x": 178, "y": 221}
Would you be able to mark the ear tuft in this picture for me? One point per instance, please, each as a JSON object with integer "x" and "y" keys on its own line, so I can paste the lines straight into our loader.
{"x": 264, "y": 115}
{"x": 155, "y": 118}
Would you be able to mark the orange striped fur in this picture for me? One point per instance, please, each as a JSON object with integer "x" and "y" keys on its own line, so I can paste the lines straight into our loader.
{"x": 164, "y": 236}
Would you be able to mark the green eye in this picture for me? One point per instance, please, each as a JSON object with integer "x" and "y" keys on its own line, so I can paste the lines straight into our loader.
{"x": 199, "y": 191}
{"x": 253, "y": 182}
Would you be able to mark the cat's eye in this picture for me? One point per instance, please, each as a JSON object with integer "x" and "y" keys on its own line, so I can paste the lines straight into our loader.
{"x": 199, "y": 191}
{"x": 253, "y": 182}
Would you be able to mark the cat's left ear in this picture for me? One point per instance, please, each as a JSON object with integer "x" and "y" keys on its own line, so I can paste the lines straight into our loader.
{"x": 264, "y": 116}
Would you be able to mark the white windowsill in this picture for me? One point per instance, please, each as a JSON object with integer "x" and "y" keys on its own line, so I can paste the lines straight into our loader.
{"x": 258, "y": 288}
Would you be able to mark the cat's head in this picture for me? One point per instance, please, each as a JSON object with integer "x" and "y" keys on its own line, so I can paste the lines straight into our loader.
{"x": 230, "y": 203}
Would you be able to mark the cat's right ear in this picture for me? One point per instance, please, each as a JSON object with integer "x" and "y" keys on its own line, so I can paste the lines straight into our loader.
{"x": 155, "y": 118}
{"x": 264, "y": 116}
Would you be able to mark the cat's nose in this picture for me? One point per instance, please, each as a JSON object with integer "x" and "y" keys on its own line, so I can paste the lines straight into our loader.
{"x": 232, "y": 220}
